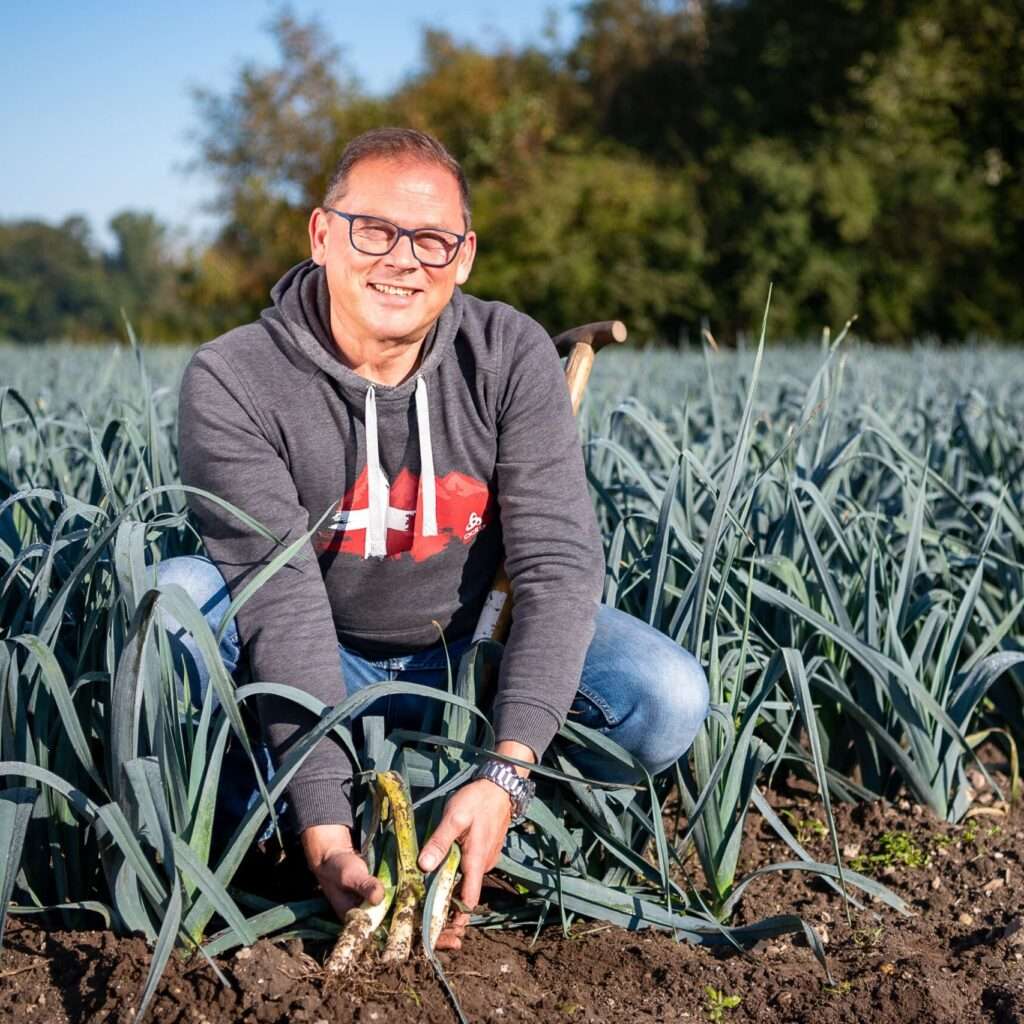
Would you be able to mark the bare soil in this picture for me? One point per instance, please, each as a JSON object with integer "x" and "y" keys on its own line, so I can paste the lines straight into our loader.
{"x": 960, "y": 957}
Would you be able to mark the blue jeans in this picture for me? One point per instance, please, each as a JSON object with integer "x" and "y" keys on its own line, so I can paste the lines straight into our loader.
{"x": 637, "y": 687}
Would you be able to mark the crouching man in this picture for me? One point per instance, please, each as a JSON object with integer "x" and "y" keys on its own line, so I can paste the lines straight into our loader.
{"x": 438, "y": 430}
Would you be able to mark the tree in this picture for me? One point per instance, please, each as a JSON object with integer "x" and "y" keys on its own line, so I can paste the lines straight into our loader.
{"x": 271, "y": 145}
{"x": 143, "y": 278}
{"x": 592, "y": 237}
{"x": 51, "y": 282}
{"x": 679, "y": 156}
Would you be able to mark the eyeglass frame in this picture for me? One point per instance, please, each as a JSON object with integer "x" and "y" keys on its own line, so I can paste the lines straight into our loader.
{"x": 411, "y": 232}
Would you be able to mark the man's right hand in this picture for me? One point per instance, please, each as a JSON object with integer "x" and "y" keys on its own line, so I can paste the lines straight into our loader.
{"x": 338, "y": 867}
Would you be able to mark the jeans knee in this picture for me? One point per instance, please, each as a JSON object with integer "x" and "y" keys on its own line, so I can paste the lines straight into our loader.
{"x": 197, "y": 576}
{"x": 680, "y": 697}
{"x": 205, "y": 587}
{"x": 203, "y": 583}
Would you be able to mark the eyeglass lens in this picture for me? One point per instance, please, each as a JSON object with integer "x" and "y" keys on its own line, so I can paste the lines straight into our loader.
{"x": 377, "y": 237}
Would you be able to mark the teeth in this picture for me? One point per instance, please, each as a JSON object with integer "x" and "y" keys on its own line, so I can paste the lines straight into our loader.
{"x": 390, "y": 289}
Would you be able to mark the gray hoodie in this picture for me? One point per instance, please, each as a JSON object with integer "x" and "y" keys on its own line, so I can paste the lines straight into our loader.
{"x": 429, "y": 484}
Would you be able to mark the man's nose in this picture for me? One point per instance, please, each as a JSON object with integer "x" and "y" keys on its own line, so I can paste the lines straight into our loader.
{"x": 403, "y": 256}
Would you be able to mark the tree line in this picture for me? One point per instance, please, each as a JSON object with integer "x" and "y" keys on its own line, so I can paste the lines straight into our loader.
{"x": 866, "y": 156}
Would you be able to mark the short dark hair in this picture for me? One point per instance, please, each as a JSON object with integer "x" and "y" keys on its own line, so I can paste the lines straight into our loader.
{"x": 396, "y": 144}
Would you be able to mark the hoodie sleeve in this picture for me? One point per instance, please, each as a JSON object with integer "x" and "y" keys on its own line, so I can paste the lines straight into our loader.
{"x": 286, "y": 626}
{"x": 553, "y": 551}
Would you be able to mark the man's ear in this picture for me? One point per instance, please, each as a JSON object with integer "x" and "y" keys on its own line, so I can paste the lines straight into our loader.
{"x": 319, "y": 221}
{"x": 464, "y": 261}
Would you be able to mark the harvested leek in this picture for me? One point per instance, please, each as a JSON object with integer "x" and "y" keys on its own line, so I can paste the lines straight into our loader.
{"x": 404, "y": 888}
{"x": 362, "y": 921}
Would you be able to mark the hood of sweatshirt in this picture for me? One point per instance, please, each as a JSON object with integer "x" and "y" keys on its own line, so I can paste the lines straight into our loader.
{"x": 301, "y": 314}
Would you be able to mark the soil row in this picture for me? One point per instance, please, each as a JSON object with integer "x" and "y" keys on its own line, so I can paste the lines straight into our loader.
{"x": 959, "y": 957}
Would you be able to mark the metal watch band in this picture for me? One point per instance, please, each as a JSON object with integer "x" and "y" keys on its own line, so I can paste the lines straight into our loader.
{"x": 520, "y": 790}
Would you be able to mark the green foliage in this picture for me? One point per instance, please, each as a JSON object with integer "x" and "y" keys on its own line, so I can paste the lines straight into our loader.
{"x": 841, "y": 989}
{"x": 875, "y": 528}
{"x": 56, "y": 283}
{"x": 971, "y": 830}
{"x": 678, "y": 157}
{"x": 719, "y": 1003}
{"x": 271, "y": 143}
{"x": 806, "y": 829}
{"x": 51, "y": 282}
{"x": 892, "y": 849}
{"x": 591, "y": 234}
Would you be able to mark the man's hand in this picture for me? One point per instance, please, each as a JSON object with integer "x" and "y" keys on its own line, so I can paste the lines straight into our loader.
{"x": 478, "y": 816}
{"x": 340, "y": 870}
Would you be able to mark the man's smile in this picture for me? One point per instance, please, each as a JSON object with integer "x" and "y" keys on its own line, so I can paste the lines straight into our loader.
{"x": 393, "y": 289}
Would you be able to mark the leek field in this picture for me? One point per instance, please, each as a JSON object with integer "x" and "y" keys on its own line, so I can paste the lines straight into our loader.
{"x": 836, "y": 530}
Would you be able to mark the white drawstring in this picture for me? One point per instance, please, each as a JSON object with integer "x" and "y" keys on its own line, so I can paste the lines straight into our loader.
{"x": 428, "y": 489}
{"x": 376, "y": 545}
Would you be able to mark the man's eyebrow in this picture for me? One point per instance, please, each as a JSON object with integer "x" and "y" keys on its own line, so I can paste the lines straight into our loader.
{"x": 419, "y": 227}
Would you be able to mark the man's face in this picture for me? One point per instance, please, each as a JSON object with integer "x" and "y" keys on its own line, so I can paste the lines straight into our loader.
{"x": 411, "y": 194}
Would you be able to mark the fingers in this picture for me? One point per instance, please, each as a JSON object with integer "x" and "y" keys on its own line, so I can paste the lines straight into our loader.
{"x": 477, "y": 816}
{"x": 453, "y": 934}
{"x": 473, "y": 867}
{"x": 436, "y": 848}
{"x": 347, "y": 882}
{"x": 368, "y": 888}
{"x": 341, "y": 900}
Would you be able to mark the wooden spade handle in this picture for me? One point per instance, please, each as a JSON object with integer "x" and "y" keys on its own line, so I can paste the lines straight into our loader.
{"x": 581, "y": 344}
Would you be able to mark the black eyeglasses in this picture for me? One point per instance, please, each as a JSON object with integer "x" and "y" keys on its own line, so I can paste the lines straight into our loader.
{"x": 375, "y": 236}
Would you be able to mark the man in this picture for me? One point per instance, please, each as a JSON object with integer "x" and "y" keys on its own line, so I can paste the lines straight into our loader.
{"x": 437, "y": 430}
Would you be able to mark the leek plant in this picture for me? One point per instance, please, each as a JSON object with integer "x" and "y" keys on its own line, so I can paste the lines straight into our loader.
{"x": 885, "y": 549}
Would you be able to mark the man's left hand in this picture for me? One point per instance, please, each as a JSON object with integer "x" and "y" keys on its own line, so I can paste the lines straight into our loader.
{"x": 477, "y": 816}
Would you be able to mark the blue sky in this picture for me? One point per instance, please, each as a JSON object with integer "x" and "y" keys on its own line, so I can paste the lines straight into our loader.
{"x": 95, "y": 110}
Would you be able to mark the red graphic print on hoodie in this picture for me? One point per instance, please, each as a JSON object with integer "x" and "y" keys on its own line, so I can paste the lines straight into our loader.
{"x": 464, "y": 507}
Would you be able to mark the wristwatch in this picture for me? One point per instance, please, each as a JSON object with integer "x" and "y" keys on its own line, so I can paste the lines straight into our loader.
{"x": 520, "y": 790}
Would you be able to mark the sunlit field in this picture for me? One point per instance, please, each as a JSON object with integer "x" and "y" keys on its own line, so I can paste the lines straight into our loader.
{"x": 836, "y": 530}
